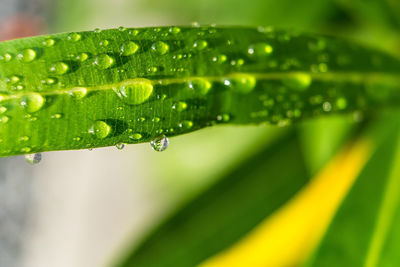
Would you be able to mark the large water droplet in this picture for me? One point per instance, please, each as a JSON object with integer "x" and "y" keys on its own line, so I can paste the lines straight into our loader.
{"x": 59, "y": 68}
{"x": 100, "y": 129}
{"x": 298, "y": 81}
{"x": 33, "y": 158}
{"x": 242, "y": 83}
{"x": 32, "y": 102}
{"x": 160, "y": 143}
{"x": 160, "y": 47}
{"x": 104, "y": 61}
{"x": 200, "y": 85}
{"x": 129, "y": 48}
{"x": 27, "y": 55}
{"x": 136, "y": 92}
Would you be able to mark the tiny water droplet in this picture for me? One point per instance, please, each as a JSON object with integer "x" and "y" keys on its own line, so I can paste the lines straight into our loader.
{"x": 120, "y": 146}
{"x": 341, "y": 103}
{"x": 200, "y": 85}
{"x": 104, "y": 61}
{"x": 13, "y": 79}
{"x": 59, "y": 68}
{"x": 100, "y": 129}
{"x": 180, "y": 106}
{"x": 33, "y": 158}
{"x": 121, "y": 28}
{"x": 48, "y": 42}
{"x": 24, "y": 138}
{"x": 32, "y": 102}
{"x": 104, "y": 42}
{"x": 4, "y": 119}
{"x": 160, "y": 143}
{"x": 220, "y": 58}
{"x": 129, "y": 48}
{"x": 174, "y": 30}
{"x": 7, "y": 57}
{"x": 186, "y": 124}
{"x": 82, "y": 57}
{"x": 260, "y": 49}
{"x": 200, "y": 44}
{"x": 160, "y": 47}
{"x": 298, "y": 81}
{"x": 56, "y": 116}
{"x": 49, "y": 81}
{"x": 75, "y": 37}
{"x": 242, "y": 83}
{"x": 3, "y": 109}
{"x": 135, "y": 136}
{"x": 223, "y": 117}
{"x": 78, "y": 92}
{"x": 136, "y": 92}
{"x": 27, "y": 55}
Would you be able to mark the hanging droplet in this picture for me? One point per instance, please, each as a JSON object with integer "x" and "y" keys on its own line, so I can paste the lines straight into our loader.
{"x": 120, "y": 146}
{"x": 136, "y": 92}
{"x": 100, "y": 129}
{"x": 59, "y": 68}
{"x": 104, "y": 61}
{"x": 33, "y": 158}
{"x": 27, "y": 55}
{"x": 160, "y": 47}
{"x": 129, "y": 48}
{"x": 160, "y": 143}
{"x": 32, "y": 102}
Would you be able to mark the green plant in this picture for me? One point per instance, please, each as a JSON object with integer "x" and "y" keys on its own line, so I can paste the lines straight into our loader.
{"x": 110, "y": 87}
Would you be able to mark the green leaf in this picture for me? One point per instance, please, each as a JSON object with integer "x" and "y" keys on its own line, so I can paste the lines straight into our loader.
{"x": 365, "y": 229}
{"x": 227, "y": 210}
{"x": 102, "y": 88}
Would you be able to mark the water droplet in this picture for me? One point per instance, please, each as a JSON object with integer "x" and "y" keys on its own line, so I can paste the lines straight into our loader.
{"x": 75, "y": 37}
{"x": 48, "y": 42}
{"x": 326, "y": 106}
{"x": 104, "y": 61}
{"x": 180, "y": 106}
{"x": 200, "y": 44}
{"x": 156, "y": 119}
{"x": 97, "y": 30}
{"x": 120, "y": 146}
{"x": 341, "y": 103}
{"x": 32, "y": 102}
{"x": 78, "y": 92}
{"x": 49, "y": 81}
{"x": 223, "y": 117}
{"x": 121, "y": 28}
{"x": 3, "y": 109}
{"x": 56, "y": 116}
{"x": 200, "y": 85}
{"x": 160, "y": 143}
{"x": 100, "y": 129}
{"x": 135, "y": 136}
{"x": 298, "y": 81}
{"x": 220, "y": 58}
{"x": 104, "y": 42}
{"x": 24, "y": 138}
{"x": 186, "y": 124}
{"x": 4, "y": 119}
{"x": 27, "y": 55}
{"x": 260, "y": 49}
{"x": 77, "y": 139}
{"x": 82, "y": 57}
{"x": 33, "y": 158}
{"x": 7, "y": 57}
{"x": 59, "y": 68}
{"x": 13, "y": 79}
{"x": 174, "y": 30}
{"x": 136, "y": 92}
{"x": 160, "y": 47}
{"x": 242, "y": 83}
{"x": 129, "y": 48}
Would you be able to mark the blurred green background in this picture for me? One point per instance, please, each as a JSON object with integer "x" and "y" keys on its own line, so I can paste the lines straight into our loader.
{"x": 81, "y": 208}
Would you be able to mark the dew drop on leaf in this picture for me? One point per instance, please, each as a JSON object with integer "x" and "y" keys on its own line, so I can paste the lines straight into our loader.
{"x": 59, "y": 68}
{"x": 186, "y": 124}
{"x": 180, "y": 106}
{"x": 33, "y": 158}
{"x": 160, "y": 143}
{"x": 174, "y": 30}
{"x": 200, "y": 44}
{"x": 3, "y": 109}
{"x": 48, "y": 42}
{"x": 4, "y": 119}
{"x": 135, "y": 136}
{"x": 241, "y": 83}
{"x": 160, "y": 47}
{"x": 32, "y": 102}
{"x": 200, "y": 85}
{"x": 129, "y": 48}
{"x": 27, "y": 55}
{"x": 260, "y": 49}
{"x": 136, "y": 92}
{"x": 100, "y": 129}
{"x": 75, "y": 37}
{"x": 104, "y": 61}
{"x": 298, "y": 81}
{"x": 78, "y": 92}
